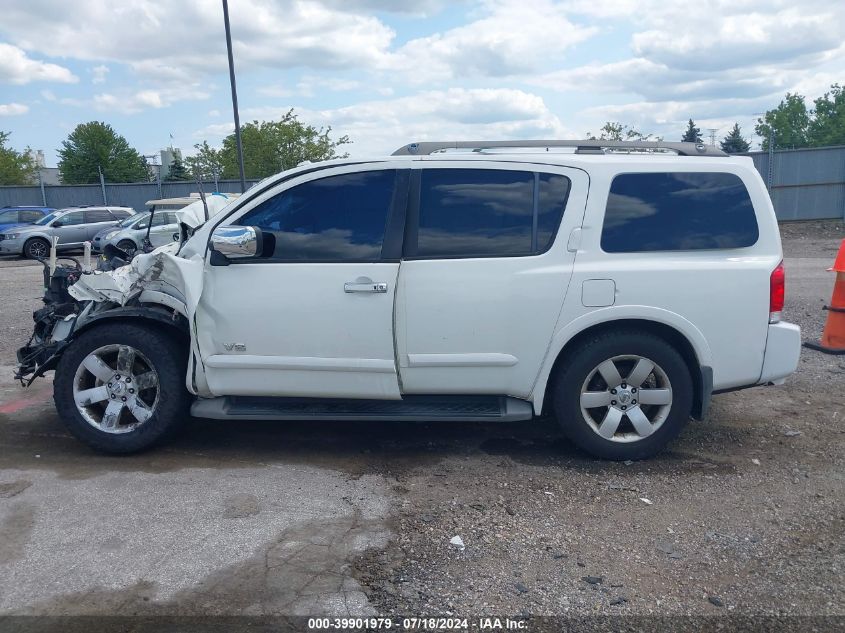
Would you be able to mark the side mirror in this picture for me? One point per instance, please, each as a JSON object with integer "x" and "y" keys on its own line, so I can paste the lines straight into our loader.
{"x": 58, "y": 224}
{"x": 237, "y": 242}
{"x": 141, "y": 226}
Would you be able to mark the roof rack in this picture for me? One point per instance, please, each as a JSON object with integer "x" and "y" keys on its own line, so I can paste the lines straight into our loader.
{"x": 581, "y": 147}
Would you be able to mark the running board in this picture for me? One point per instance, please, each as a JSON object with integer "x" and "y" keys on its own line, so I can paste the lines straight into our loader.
{"x": 411, "y": 408}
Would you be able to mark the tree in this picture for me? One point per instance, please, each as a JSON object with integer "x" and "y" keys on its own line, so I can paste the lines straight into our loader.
{"x": 692, "y": 133}
{"x": 790, "y": 123}
{"x": 273, "y": 146}
{"x": 178, "y": 170}
{"x": 96, "y": 144}
{"x": 16, "y": 168}
{"x": 733, "y": 143}
{"x": 615, "y": 131}
{"x": 827, "y": 126}
{"x": 206, "y": 164}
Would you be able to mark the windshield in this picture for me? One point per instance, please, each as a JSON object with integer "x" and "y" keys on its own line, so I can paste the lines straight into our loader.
{"x": 48, "y": 218}
{"x": 132, "y": 219}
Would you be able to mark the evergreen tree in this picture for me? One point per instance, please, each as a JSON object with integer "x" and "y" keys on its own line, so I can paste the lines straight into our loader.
{"x": 178, "y": 170}
{"x": 692, "y": 133}
{"x": 733, "y": 143}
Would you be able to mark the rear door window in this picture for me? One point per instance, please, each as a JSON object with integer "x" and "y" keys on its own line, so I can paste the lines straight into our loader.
{"x": 487, "y": 213}
{"x": 94, "y": 216}
{"x": 8, "y": 217}
{"x": 678, "y": 211}
{"x": 31, "y": 215}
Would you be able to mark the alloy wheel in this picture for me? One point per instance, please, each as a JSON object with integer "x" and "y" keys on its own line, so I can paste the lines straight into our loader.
{"x": 116, "y": 389}
{"x": 626, "y": 398}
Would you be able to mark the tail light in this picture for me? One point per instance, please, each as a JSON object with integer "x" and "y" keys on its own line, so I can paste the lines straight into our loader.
{"x": 777, "y": 293}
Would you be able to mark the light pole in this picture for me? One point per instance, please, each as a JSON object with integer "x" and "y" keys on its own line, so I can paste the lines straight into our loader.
{"x": 234, "y": 95}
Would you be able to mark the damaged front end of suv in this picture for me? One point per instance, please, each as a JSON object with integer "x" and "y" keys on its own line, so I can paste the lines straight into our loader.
{"x": 161, "y": 286}
{"x": 149, "y": 287}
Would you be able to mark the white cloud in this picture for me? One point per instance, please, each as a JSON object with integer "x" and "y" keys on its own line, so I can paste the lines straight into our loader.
{"x": 742, "y": 39}
{"x": 133, "y": 102}
{"x": 309, "y": 86}
{"x": 514, "y": 36}
{"x": 17, "y": 68}
{"x": 13, "y": 109}
{"x": 713, "y": 60}
{"x": 99, "y": 74}
{"x": 379, "y": 127}
{"x": 179, "y": 39}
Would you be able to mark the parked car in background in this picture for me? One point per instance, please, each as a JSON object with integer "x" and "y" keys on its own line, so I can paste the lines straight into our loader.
{"x": 73, "y": 226}
{"x": 129, "y": 235}
{"x": 17, "y": 216}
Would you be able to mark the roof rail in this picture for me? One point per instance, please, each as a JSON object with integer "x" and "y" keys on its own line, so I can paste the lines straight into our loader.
{"x": 581, "y": 147}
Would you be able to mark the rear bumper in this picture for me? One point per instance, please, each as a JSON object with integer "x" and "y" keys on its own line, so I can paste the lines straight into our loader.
{"x": 783, "y": 349}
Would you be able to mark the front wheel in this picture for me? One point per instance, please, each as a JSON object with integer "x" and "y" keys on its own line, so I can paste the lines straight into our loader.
{"x": 624, "y": 395}
{"x": 128, "y": 246}
{"x": 36, "y": 248}
{"x": 120, "y": 388}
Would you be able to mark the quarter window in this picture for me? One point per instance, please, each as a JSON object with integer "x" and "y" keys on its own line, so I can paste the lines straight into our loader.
{"x": 337, "y": 218}
{"x": 678, "y": 211}
{"x": 8, "y": 217}
{"x": 487, "y": 212}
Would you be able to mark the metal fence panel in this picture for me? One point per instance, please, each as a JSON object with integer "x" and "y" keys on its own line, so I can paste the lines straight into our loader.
{"x": 133, "y": 195}
{"x": 807, "y": 184}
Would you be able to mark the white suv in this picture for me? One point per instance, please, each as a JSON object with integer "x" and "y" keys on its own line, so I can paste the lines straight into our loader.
{"x": 613, "y": 285}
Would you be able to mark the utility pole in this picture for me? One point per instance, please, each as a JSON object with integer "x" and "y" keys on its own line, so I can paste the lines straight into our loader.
{"x": 771, "y": 174}
{"x": 713, "y": 131}
{"x": 234, "y": 95}
{"x": 41, "y": 184}
{"x": 102, "y": 184}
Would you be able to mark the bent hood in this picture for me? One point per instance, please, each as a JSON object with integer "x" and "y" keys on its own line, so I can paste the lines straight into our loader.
{"x": 160, "y": 271}
{"x": 194, "y": 214}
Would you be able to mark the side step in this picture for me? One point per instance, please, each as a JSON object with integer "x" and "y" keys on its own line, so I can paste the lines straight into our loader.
{"x": 410, "y": 408}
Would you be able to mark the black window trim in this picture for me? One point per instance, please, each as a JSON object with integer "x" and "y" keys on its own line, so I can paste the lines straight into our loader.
{"x": 413, "y": 225}
{"x": 394, "y": 228}
{"x": 676, "y": 250}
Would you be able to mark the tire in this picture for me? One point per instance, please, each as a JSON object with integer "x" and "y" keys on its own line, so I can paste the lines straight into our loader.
{"x": 128, "y": 246}
{"x": 36, "y": 248}
{"x": 643, "y": 430}
{"x": 142, "y": 415}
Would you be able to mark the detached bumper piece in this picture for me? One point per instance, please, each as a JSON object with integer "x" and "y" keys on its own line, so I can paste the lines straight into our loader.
{"x": 410, "y": 408}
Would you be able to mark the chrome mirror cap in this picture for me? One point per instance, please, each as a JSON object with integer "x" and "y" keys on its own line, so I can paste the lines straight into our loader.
{"x": 236, "y": 242}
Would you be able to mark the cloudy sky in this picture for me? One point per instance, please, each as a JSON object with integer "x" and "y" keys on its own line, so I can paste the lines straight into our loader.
{"x": 387, "y": 72}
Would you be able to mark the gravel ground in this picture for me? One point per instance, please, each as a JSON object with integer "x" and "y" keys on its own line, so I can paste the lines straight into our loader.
{"x": 744, "y": 515}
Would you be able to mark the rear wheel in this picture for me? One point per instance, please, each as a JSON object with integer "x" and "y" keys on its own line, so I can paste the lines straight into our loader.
{"x": 36, "y": 248}
{"x": 120, "y": 388}
{"x": 624, "y": 395}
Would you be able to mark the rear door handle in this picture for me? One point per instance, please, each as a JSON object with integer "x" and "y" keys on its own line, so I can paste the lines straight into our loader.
{"x": 365, "y": 284}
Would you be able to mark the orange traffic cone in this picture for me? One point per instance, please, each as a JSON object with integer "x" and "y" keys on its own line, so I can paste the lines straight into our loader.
{"x": 833, "y": 337}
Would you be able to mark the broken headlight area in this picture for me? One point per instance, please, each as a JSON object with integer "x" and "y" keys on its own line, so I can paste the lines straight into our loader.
{"x": 59, "y": 308}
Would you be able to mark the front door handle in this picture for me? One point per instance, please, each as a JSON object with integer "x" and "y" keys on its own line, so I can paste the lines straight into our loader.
{"x": 365, "y": 284}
